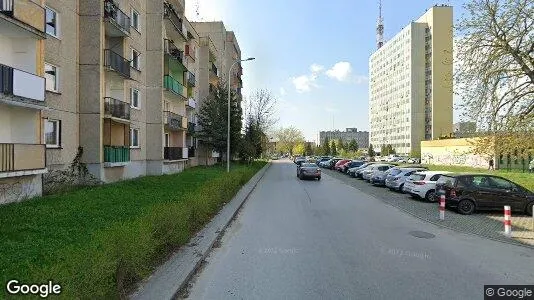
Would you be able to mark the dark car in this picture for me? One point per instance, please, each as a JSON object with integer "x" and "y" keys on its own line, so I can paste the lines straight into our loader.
{"x": 332, "y": 163}
{"x": 308, "y": 170}
{"x": 469, "y": 192}
{"x": 351, "y": 164}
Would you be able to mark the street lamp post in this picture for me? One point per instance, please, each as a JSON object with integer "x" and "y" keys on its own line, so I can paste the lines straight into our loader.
{"x": 229, "y": 95}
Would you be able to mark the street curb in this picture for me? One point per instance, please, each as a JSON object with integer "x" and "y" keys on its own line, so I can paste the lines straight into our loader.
{"x": 172, "y": 277}
{"x": 436, "y": 223}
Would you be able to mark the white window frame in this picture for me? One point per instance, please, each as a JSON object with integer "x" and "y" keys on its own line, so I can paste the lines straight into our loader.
{"x": 138, "y": 68}
{"x": 132, "y": 130}
{"x": 56, "y": 35}
{"x": 132, "y": 91}
{"x": 135, "y": 12}
{"x": 58, "y": 133}
{"x": 56, "y": 85}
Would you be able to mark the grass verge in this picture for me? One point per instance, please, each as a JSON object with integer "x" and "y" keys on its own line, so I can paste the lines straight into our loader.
{"x": 98, "y": 242}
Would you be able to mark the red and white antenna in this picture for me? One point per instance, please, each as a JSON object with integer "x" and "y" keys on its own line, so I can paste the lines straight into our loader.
{"x": 379, "y": 27}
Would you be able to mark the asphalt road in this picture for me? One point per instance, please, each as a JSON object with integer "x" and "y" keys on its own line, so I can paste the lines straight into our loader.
{"x": 323, "y": 239}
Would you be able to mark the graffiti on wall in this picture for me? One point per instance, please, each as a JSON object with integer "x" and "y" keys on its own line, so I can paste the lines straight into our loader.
{"x": 454, "y": 158}
{"x": 17, "y": 191}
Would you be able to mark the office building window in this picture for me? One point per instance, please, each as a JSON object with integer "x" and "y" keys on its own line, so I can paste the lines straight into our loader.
{"x": 135, "y": 98}
{"x": 134, "y": 138}
{"x": 52, "y": 133}
{"x": 52, "y": 22}
{"x": 135, "y": 19}
{"x": 135, "y": 60}
{"x": 51, "y": 77}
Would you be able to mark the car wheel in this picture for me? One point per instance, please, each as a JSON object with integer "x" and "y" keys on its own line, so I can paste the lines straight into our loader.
{"x": 401, "y": 188}
{"x": 529, "y": 209}
{"x": 466, "y": 207}
{"x": 319, "y": 178}
{"x": 430, "y": 196}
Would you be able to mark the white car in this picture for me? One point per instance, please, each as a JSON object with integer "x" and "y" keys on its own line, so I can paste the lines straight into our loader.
{"x": 423, "y": 184}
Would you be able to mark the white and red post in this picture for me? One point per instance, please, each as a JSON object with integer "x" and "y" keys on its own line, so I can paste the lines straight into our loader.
{"x": 442, "y": 207}
{"x": 507, "y": 221}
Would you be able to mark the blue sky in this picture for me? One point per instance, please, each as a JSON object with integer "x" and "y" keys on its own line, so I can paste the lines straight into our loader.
{"x": 312, "y": 55}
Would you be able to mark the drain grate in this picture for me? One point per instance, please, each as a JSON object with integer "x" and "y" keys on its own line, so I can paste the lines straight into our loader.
{"x": 422, "y": 234}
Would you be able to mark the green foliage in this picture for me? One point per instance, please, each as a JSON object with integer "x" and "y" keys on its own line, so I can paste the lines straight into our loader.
{"x": 415, "y": 153}
{"x": 309, "y": 149}
{"x": 341, "y": 145}
{"x": 353, "y": 145}
{"x": 333, "y": 148}
{"x": 288, "y": 138}
{"x": 299, "y": 149}
{"x": 371, "y": 151}
{"x": 326, "y": 147}
{"x": 97, "y": 242}
{"x": 387, "y": 150}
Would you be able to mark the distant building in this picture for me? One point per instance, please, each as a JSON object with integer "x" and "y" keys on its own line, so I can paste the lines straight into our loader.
{"x": 463, "y": 129}
{"x": 361, "y": 137}
{"x": 410, "y": 95}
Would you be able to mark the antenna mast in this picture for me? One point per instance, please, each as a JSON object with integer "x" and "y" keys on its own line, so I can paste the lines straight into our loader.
{"x": 379, "y": 27}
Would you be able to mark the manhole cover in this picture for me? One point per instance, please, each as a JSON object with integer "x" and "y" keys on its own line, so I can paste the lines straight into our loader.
{"x": 422, "y": 234}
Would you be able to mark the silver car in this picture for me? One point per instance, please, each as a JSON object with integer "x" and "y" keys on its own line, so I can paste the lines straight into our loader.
{"x": 397, "y": 177}
{"x": 369, "y": 171}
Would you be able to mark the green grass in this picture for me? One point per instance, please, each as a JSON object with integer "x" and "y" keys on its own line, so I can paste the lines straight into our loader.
{"x": 524, "y": 179}
{"x": 97, "y": 242}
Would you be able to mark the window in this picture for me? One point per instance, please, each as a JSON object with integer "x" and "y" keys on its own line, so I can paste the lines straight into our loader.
{"x": 51, "y": 76}
{"x": 53, "y": 133}
{"x": 135, "y": 98}
{"x": 500, "y": 183}
{"x": 134, "y": 138}
{"x": 51, "y": 22}
{"x": 167, "y": 140}
{"x": 135, "y": 60}
{"x": 135, "y": 19}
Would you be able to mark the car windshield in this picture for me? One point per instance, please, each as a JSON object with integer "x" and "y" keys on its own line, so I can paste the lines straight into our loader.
{"x": 308, "y": 165}
{"x": 416, "y": 177}
{"x": 394, "y": 172}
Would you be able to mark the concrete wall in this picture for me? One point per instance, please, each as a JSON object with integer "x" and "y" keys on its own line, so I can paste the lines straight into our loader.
{"x": 16, "y": 189}
{"x": 19, "y": 125}
{"x": 455, "y": 152}
{"x": 18, "y": 52}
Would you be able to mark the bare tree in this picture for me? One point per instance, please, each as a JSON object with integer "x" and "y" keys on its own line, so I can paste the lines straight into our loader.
{"x": 262, "y": 109}
{"x": 495, "y": 71}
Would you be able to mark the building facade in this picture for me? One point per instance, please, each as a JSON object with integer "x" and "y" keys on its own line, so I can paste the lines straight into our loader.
{"x": 410, "y": 86}
{"x": 361, "y": 137}
{"x": 121, "y": 80}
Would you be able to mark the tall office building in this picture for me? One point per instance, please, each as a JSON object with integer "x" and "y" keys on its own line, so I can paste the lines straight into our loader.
{"x": 410, "y": 87}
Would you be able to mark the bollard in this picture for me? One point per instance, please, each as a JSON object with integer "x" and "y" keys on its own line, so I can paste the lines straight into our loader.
{"x": 507, "y": 221}
{"x": 442, "y": 207}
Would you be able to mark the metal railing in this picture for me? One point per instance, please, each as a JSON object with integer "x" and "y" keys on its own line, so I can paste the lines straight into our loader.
{"x": 191, "y": 80}
{"x": 173, "y": 121}
{"x": 171, "y": 49}
{"x": 25, "y": 11}
{"x": 173, "y": 85}
{"x": 114, "y": 13}
{"x": 173, "y": 153}
{"x": 116, "y": 108}
{"x": 115, "y": 154}
{"x": 117, "y": 63}
{"x": 21, "y": 83}
{"x": 170, "y": 13}
{"x": 22, "y": 157}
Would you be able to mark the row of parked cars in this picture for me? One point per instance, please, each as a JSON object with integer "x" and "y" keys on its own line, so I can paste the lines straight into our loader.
{"x": 465, "y": 192}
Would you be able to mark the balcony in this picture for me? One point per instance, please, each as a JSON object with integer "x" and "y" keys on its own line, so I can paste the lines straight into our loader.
{"x": 24, "y": 87}
{"x": 114, "y": 62}
{"x": 190, "y": 51}
{"x": 171, "y": 15}
{"x": 22, "y": 159}
{"x": 191, "y": 152}
{"x": 173, "y": 51}
{"x": 191, "y": 103}
{"x": 116, "y": 155}
{"x": 174, "y": 121}
{"x": 174, "y": 153}
{"x": 214, "y": 73}
{"x": 191, "y": 80}
{"x": 118, "y": 22}
{"x": 173, "y": 86}
{"x": 117, "y": 110}
{"x": 190, "y": 127}
{"x": 26, "y": 14}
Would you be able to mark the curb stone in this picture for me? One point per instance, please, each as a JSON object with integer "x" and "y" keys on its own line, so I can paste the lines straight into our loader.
{"x": 173, "y": 276}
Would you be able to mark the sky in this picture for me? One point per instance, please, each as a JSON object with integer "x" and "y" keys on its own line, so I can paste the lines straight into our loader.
{"x": 311, "y": 55}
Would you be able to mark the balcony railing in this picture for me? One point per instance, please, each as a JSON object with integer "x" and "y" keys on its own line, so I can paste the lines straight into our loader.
{"x": 21, "y": 84}
{"x": 116, "y": 154}
{"x": 170, "y": 13}
{"x": 117, "y": 63}
{"x": 26, "y": 11}
{"x": 173, "y": 51}
{"x": 118, "y": 18}
{"x": 174, "y": 121}
{"x": 173, "y": 86}
{"x": 22, "y": 157}
{"x": 191, "y": 80}
{"x": 116, "y": 108}
{"x": 191, "y": 103}
{"x": 173, "y": 153}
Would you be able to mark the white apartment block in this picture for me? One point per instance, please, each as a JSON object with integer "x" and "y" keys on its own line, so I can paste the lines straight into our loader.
{"x": 410, "y": 88}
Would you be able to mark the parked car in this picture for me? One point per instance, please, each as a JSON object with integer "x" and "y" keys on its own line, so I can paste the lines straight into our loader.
{"x": 352, "y": 171}
{"x": 359, "y": 172}
{"x": 378, "y": 177}
{"x": 308, "y": 170}
{"x": 368, "y": 172}
{"x": 321, "y": 159}
{"x": 414, "y": 160}
{"x": 351, "y": 164}
{"x": 470, "y": 192}
{"x": 332, "y": 163}
{"x": 340, "y": 164}
{"x": 396, "y": 178}
{"x": 423, "y": 184}
{"x": 299, "y": 160}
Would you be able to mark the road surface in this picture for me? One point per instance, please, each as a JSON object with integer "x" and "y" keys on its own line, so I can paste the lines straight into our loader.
{"x": 323, "y": 239}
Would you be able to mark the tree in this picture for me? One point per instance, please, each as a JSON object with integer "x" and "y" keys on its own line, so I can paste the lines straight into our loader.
{"x": 341, "y": 145}
{"x": 353, "y": 145}
{"x": 371, "y": 151}
{"x": 495, "y": 68}
{"x": 390, "y": 149}
{"x": 260, "y": 109}
{"x": 299, "y": 149}
{"x": 326, "y": 146}
{"x": 415, "y": 153}
{"x": 213, "y": 120}
{"x": 309, "y": 149}
{"x": 384, "y": 150}
{"x": 333, "y": 149}
{"x": 288, "y": 138}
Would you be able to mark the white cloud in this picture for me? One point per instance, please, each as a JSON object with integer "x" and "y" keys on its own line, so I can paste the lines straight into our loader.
{"x": 340, "y": 71}
{"x": 315, "y": 68}
{"x": 304, "y": 83}
{"x": 282, "y": 91}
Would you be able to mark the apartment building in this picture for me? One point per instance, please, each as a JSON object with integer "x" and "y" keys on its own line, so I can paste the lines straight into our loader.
{"x": 361, "y": 137}
{"x": 22, "y": 99}
{"x": 410, "y": 86}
